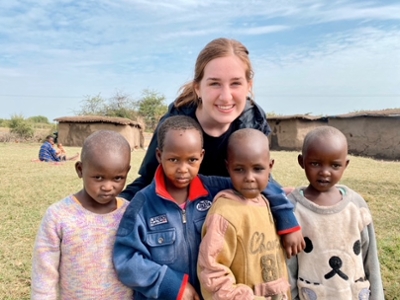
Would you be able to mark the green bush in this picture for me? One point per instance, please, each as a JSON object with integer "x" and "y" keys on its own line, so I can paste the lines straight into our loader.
{"x": 3, "y": 123}
{"x": 20, "y": 126}
{"x": 39, "y": 119}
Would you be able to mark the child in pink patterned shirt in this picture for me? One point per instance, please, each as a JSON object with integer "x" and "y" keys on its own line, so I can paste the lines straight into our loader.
{"x": 72, "y": 257}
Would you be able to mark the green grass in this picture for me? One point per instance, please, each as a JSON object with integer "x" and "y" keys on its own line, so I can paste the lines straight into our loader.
{"x": 27, "y": 188}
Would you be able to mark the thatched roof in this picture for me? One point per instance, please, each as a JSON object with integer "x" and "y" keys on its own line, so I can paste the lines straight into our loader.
{"x": 99, "y": 119}
{"x": 293, "y": 117}
{"x": 390, "y": 113}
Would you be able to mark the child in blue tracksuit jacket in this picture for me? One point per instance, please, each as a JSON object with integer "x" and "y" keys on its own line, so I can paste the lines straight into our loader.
{"x": 158, "y": 239}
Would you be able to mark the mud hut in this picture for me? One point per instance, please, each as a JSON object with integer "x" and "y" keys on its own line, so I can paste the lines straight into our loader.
{"x": 72, "y": 131}
{"x": 369, "y": 133}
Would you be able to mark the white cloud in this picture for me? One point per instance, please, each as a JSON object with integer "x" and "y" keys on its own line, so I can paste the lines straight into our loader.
{"x": 301, "y": 47}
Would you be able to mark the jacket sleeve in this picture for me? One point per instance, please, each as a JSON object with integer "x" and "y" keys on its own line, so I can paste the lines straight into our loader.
{"x": 281, "y": 208}
{"x": 46, "y": 260}
{"x": 133, "y": 262}
{"x": 371, "y": 262}
{"x": 216, "y": 254}
{"x": 146, "y": 171}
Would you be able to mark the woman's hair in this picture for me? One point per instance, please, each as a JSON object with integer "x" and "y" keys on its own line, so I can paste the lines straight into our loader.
{"x": 220, "y": 47}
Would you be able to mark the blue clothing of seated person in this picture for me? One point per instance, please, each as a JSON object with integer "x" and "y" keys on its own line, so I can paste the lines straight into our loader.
{"x": 47, "y": 153}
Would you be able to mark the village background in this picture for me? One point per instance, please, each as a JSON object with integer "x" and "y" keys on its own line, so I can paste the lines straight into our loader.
{"x": 28, "y": 187}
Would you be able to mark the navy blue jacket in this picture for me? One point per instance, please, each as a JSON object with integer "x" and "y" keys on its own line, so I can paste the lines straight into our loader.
{"x": 157, "y": 242}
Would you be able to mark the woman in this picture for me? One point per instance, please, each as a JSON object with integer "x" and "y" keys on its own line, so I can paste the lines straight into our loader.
{"x": 218, "y": 98}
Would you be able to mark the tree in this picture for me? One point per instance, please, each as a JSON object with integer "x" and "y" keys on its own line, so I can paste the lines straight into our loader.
{"x": 92, "y": 105}
{"x": 151, "y": 108}
{"x": 121, "y": 105}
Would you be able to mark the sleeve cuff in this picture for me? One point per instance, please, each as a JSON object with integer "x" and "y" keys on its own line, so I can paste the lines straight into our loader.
{"x": 183, "y": 286}
{"x": 173, "y": 284}
{"x": 286, "y": 221}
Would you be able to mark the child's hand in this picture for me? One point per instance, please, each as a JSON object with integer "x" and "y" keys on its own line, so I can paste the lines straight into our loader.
{"x": 293, "y": 243}
{"x": 190, "y": 293}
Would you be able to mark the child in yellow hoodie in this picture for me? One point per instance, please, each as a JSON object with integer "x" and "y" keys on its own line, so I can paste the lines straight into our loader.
{"x": 241, "y": 256}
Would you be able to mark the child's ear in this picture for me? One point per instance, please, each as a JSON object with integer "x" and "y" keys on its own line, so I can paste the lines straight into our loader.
{"x": 202, "y": 155}
{"x": 158, "y": 155}
{"x": 78, "y": 168}
{"x": 347, "y": 162}
{"x": 300, "y": 161}
{"x": 271, "y": 164}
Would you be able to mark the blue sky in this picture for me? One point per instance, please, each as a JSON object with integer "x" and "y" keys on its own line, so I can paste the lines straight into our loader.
{"x": 318, "y": 57}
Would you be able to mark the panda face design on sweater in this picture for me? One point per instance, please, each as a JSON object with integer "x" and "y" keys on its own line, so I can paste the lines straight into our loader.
{"x": 335, "y": 262}
{"x": 332, "y": 261}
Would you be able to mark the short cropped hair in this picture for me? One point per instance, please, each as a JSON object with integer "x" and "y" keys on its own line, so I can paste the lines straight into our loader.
{"x": 179, "y": 122}
{"x": 246, "y": 135}
{"x": 104, "y": 141}
{"x": 321, "y": 132}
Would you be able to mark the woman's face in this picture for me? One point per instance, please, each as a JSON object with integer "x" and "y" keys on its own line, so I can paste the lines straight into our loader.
{"x": 223, "y": 89}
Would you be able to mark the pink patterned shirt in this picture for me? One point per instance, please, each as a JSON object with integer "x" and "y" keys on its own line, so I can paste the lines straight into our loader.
{"x": 72, "y": 256}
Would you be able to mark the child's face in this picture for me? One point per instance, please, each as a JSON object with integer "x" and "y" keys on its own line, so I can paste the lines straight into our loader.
{"x": 181, "y": 157}
{"x": 249, "y": 167}
{"x": 324, "y": 163}
{"x": 103, "y": 177}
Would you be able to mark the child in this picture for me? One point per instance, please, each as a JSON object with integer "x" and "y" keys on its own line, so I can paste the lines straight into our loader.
{"x": 72, "y": 253}
{"x": 340, "y": 260}
{"x": 158, "y": 238}
{"x": 241, "y": 256}
{"x": 62, "y": 154}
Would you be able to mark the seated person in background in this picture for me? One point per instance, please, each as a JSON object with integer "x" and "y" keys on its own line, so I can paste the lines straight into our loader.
{"x": 47, "y": 153}
{"x": 61, "y": 154}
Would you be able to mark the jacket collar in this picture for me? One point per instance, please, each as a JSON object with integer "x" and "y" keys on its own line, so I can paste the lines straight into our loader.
{"x": 196, "y": 188}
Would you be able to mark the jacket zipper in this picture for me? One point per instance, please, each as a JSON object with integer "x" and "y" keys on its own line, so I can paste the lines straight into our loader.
{"x": 184, "y": 216}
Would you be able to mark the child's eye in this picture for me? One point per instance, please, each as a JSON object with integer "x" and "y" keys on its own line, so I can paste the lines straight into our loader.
{"x": 193, "y": 160}
{"x": 236, "y": 83}
{"x": 173, "y": 160}
{"x": 336, "y": 166}
{"x": 118, "y": 178}
{"x": 314, "y": 164}
{"x": 259, "y": 169}
{"x": 214, "y": 83}
{"x": 238, "y": 170}
{"x": 98, "y": 178}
